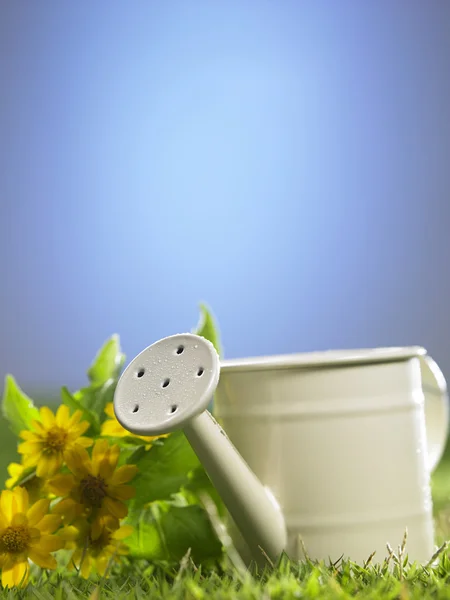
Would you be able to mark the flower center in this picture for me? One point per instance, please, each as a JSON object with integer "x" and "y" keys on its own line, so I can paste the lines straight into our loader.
{"x": 93, "y": 490}
{"x": 15, "y": 539}
{"x": 56, "y": 440}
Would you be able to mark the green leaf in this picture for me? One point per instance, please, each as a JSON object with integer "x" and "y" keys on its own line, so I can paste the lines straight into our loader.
{"x": 163, "y": 469}
{"x": 88, "y": 415}
{"x": 103, "y": 375}
{"x": 166, "y": 530}
{"x": 145, "y": 541}
{"x": 17, "y": 407}
{"x": 187, "y": 527}
{"x": 107, "y": 363}
{"x": 199, "y": 482}
{"x": 96, "y": 397}
{"x": 125, "y": 451}
{"x": 208, "y": 328}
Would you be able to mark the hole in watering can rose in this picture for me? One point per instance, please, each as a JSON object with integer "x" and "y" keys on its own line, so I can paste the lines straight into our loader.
{"x": 200, "y": 371}
{"x": 173, "y": 409}
{"x": 165, "y": 383}
{"x": 141, "y": 372}
{"x": 136, "y": 408}
{"x": 180, "y": 349}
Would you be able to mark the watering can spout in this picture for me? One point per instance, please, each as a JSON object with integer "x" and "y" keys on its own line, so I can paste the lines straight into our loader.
{"x": 168, "y": 386}
{"x": 252, "y": 508}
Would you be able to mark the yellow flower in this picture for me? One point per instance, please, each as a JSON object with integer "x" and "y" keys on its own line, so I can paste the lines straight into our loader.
{"x": 95, "y": 549}
{"x": 25, "y": 533}
{"x": 112, "y": 428}
{"x": 35, "y": 486}
{"x": 95, "y": 486}
{"x": 46, "y": 447}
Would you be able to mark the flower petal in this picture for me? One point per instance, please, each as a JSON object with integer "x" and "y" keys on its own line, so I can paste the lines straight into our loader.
{"x": 30, "y": 460}
{"x": 37, "y": 511}
{"x": 47, "y": 417}
{"x": 109, "y": 410}
{"x": 49, "y": 464}
{"x": 96, "y": 529}
{"x": 21, "y": 497}
{"x": 35, "y": 534}
{"x": 102, "y": 564}
{"x": 15, "y": 469}
{"x": 31, "y": 436}
{"x": 114, "y": 455}
{"x": 22, "y": 572}
{"x": 19, "y": 519}
{"x": 16, "y": 574}
{"x": 113, "y": 429}
{"x": 80, "y": 428}
{"x": 42, "y": 559}
{"x": 100, "y": 449}
{"x": 86, "y": 566}
{"x": 124, "y": 474}
{"x": 105, "y": 468}
{"x": 3, "y": 521}
{"x": 69, "y": 533}
{"x": 121, "y": 492}
{"x": 50, "y": 543}
{"x": 61, "y": 485}
{"x": 115, "y": 507}
{"x": 123, "y": 532}
{"x": 74, "y": 419}
{"x": 78, "y": 461}
{"x": 32, "y": 447}
{"x": 105, "y": 520}
{"x": 8, "y": 560}
{"x": 68, "y": 509}
{"x": 84, "y": 441}
{"x": 49, "y": 523}
{"x": 77, "y": 556}
{"x": 7, "y": 504}
{"x": 39, "y": 428}
{"x": 62, "y": 416}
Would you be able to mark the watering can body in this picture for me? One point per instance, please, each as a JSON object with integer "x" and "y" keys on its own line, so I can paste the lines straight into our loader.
{"x": 327, "y": 453}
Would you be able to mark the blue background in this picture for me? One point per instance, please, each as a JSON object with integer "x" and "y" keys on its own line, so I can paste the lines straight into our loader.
{"x": 286, "y": 162}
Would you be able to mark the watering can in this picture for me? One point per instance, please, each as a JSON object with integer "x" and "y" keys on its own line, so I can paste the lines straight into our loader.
{"x": 324, "y": 454}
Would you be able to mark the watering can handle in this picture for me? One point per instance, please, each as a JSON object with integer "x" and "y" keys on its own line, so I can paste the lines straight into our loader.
{"x": 436, "y": 409}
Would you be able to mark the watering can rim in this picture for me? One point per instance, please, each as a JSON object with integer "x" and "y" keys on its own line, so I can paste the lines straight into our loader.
{"x": 324, "y": 358}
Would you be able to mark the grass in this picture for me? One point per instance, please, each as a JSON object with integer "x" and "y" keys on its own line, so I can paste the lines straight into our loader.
{"x": 395, "y": 579}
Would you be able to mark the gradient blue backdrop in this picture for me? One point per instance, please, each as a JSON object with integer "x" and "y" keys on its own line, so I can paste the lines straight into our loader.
{"x": 285, "y": 161}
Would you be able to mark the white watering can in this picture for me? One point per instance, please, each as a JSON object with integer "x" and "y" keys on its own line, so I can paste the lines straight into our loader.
{"x": 328, "y": 451}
